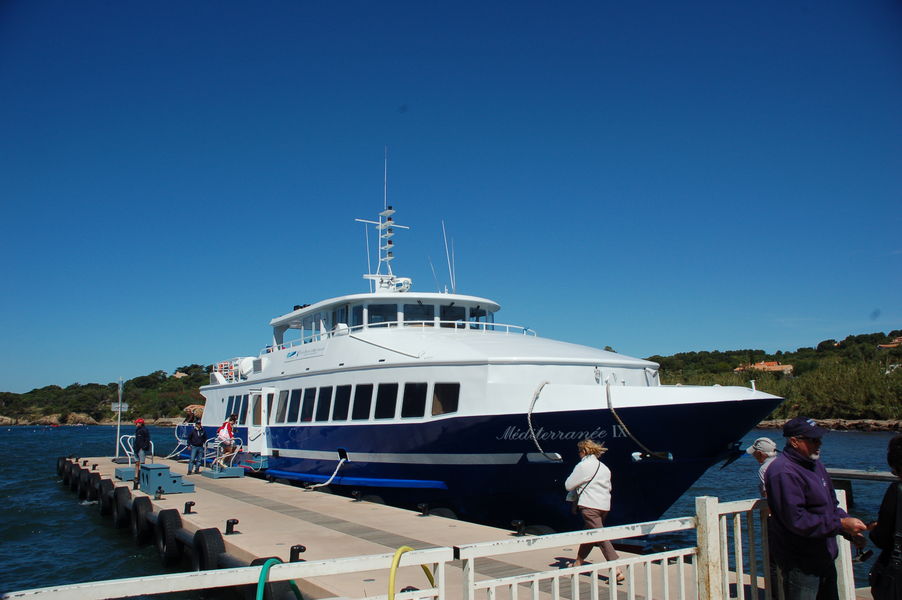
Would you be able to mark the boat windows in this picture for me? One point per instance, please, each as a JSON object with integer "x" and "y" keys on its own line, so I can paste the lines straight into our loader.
{"x": 242, "y": 412}
{"x": 269, "y": 399}
{"x": 363, "y": 398}
{"x": 256, "y": 410}
{"x": 342, "y": 403}
{"x": 444, "y": 398}
{"x": 340, "y": 315}
{"x": 324, "y": 403}
{"x": 229, "y": 407}
{"x": 386, "y": 400}
{"x": 419, "y": 314}
{"x": 294, "y": 406}
{"x": 281, "y": 407}
{"x": 414, "y": 403}
{"x": 307, "y": 407}
{"x": 450, "y": 314}
{"x": 379, "y": 314}
{"x": 357, "y": 316}
{"x": 480, "y": 315}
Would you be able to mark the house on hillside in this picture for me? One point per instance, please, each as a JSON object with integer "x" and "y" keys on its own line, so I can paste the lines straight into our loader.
{"x": 893, "y": 344}
{"x": 770, "y": 366}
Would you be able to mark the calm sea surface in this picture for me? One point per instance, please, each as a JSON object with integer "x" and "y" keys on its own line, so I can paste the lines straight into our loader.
{"x": 49, "y": 538}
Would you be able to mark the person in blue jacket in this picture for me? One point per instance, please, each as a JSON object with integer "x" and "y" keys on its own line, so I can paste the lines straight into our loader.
{"x": 196, "y": 440}
{"x": 805, "y": 516}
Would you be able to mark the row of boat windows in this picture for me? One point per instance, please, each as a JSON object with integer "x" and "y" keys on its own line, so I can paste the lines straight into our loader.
{"x": 377, "y": 314}
{"x": 346, "y": 402}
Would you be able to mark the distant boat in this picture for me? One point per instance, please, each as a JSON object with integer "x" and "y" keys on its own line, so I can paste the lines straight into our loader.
{"x": 424, "y": 398}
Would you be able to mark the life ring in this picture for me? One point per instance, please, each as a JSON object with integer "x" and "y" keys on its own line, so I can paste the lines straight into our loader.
{"x": 207, "y": 546}
{"x": 141, "y": 528}
{"x": 168, "y": 522}
{"x": 121, "y": 499}
{"x": 105, "y": 496}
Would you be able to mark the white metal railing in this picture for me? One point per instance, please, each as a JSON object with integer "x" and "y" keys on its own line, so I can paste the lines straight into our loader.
{"x": 219, "y": 578}
{"x": 127, "y": 443}
{"x": 442, "y": 325}
{"x": 658, "y": 575}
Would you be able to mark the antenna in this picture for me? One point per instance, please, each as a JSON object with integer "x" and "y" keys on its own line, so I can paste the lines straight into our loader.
{"x": 448, "y": 258}
{"x": 385, "y": 180}
{"x": 434, "y": 276}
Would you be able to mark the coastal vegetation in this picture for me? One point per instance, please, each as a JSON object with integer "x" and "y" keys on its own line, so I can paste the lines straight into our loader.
{"x": 859, "y": 377}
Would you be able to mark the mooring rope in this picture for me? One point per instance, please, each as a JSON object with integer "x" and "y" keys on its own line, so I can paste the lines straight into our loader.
{"x": 334, "y": 473}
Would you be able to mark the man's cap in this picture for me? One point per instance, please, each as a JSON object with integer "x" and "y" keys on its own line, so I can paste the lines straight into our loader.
{"x": 139, "y": 420}
{"x": 762, "y": 444}
{"x": 803, "y": 426}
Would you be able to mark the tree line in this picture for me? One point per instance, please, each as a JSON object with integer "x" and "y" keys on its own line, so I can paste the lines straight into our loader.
{"x": 847, "y": 379}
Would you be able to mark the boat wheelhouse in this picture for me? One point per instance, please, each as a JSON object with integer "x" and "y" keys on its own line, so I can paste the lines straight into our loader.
{"x": 419, "y": 398}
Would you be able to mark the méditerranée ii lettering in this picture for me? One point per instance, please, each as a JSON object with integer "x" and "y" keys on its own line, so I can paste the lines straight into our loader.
{"x": 515, "y": 433}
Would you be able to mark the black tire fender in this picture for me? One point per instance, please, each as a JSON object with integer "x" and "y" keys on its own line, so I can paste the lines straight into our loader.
{"x": 66, "y": 466}
{"x": 141, "y": 528}
{"x": 105, "y": 496}
{"x": 443, "y": 511}
{"x": 94, "y": 486}
{"x": 207, "y": 546}
{"x": 121, "y": 499}
{"x": 82, "y": 485}
{"x": 168, "y": 522}
{"x": 539, "y": 530}
{"x": 60, "y": 463}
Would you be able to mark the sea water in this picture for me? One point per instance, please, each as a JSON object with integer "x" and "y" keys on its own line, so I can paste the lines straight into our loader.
{"x": 49, "y": 537}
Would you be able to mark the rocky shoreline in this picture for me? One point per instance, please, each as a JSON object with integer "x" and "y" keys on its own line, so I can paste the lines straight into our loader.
{"x": 84, "y": 419}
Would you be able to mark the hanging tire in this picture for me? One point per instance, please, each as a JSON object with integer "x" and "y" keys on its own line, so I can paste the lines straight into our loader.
{"x": 121, "y": 499}
{"x": 539, "y": 530}
{"x": 74, "y": 474}
{"x": 141, "y": 527}
{"x": 67, "y": 472}
{"x": 94, "y": 486}
{"x": 206, "y": 548}
{"x": 105, "y": 496}
{"x": 60, "y": 463}
{"x": 168, "y": 523}
{"x": 83, "y": 484}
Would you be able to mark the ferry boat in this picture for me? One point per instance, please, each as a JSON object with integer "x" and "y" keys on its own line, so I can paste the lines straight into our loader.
{"x": 425, "y": 399}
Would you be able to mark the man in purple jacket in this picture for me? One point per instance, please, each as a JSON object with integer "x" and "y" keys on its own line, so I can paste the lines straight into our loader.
{"x": 805, "y": 516}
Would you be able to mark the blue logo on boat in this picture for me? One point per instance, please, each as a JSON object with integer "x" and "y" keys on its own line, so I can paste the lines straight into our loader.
{"x": 292, "y": 353}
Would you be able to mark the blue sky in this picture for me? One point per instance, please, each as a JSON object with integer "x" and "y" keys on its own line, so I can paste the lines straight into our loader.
{"x": 654, "y": 176}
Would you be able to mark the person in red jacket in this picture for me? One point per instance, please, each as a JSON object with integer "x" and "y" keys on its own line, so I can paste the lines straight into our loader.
{"x": 226, "y": 437}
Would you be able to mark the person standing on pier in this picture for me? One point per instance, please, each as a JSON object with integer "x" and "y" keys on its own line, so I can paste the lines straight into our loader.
{"x": 805, "y": 516}
{"x": 764, "y": 450}
{"x": 590, "y": 486}
{"x": 142, "y": 445}
{"x": 196, "y": 440}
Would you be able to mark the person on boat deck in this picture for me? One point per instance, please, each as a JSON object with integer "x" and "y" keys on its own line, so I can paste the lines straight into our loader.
{"x": 196, "y": 440}
{"x": 764, "y": 450}
{"x": 884, "y": 531}
{"x": 226, "y": 437}
{"x": 805, "y": 516}
{"x": 589, "y": 487}
{"x": 142, "y": 445}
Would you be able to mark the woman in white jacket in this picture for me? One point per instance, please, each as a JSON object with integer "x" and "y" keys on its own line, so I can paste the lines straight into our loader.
{"x": 589, "y": 485}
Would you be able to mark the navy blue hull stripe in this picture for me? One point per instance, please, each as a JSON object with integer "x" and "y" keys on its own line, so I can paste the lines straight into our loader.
{"x": 361, "y": 481}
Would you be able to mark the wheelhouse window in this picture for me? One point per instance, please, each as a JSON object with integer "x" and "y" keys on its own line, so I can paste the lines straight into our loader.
{"x": 340, "y": 315}
{"x": 324, "y": 403}
{"x": 450, "y": 314}
{"x": 420, "y": 314}
{"x": 481, "y": 316}
{"x": 363, "y": 398}
{"x": 342, "y": 403}
{"x": 307, "y": 406}
{"x": 379, "y": 314}
{"x": 386, "y": 400}
{"x": 414, "y": 402}
{"x": 281, "y": 407}
{"x": 356, "y": 315}
{"x": 294, "y": 406}
{"x": 444, "y": 398}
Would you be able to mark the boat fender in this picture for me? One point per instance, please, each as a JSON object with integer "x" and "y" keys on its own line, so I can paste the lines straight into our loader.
{"x": 168, "y": 524}
{"x": 74, "y": 474}
{"x": 105, "y": 496}
{"x": 94, "y": 486}
{"x": 141, "y": 527}
{"x": 207, "y": 545}
{"x": 60, "y": 463}
{"x": 82, "y": 487}
{"x": 122, "y": 499}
